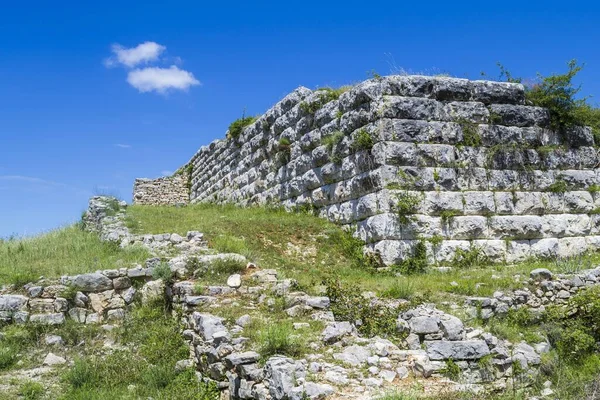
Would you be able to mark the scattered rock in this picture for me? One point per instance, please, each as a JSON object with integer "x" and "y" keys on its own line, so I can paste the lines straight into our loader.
{"x": 52, "y": 359}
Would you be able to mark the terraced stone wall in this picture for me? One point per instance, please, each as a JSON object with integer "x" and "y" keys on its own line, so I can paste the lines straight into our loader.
{"x": 453, "y": 163}
{"x": 170, "y": 190}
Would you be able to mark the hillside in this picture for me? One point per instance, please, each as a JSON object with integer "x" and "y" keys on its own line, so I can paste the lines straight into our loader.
{"x": 136, "y": 356}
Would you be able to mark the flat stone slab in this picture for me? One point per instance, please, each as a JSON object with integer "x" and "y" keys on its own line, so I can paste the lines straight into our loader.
{"x": 458, "y": 350}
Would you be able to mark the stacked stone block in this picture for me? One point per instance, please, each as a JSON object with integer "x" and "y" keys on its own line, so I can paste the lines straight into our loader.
{"x": 482, "y": 167}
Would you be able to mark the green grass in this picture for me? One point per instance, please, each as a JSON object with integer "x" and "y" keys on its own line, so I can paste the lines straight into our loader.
{"x": 144, "y": 368}
{"x": 311, "y": 249}
{"x": 64, "y": 251}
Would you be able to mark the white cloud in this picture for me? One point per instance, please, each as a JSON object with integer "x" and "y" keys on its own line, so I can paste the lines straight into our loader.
{"x": 161, "y": 80}
{"x": 123, "y": 146}
{"x": 166, "y": 172}
{"x": 142, "y": 53}
{"x": 30, "y": 179}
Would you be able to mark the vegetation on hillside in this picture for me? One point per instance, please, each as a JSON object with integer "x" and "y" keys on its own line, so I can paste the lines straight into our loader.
{"x": 69, "y": 250}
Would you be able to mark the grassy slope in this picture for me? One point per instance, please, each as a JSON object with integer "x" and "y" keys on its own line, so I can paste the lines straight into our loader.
{"x": 308, "y": 249}
{"x": 68, "y": 250}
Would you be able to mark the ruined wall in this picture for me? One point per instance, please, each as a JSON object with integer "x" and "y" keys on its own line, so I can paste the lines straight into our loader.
{"x": 457, "y": 163}
{"x": 171, "y": 190}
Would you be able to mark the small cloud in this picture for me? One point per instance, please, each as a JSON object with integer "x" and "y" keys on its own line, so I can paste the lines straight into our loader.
{"x": 161, "y": 80}
{"x": 142, "y": 53}
{"x": 166, "y": 172}
{"x": 123, "y": 146}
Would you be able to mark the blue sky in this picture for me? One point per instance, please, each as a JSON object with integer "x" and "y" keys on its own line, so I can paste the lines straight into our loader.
{"x": 80, "y": 116}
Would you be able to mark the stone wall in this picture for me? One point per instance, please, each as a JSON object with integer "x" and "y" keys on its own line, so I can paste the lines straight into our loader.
{"x": 470, "y": 164}
{"x": 170, "y": 190}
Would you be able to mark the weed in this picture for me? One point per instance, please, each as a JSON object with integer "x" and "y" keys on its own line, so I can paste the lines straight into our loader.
{"x": 559, "y": 186}
{"x": 451, "y": 370}
{"x": 406, "y": 204}
{"x": 362, "y": 141}
{"x": 31, "y": 390}
{"x": 371, "y": 318}
{"x": 468, "y": 258}
{"x": 470, "y": 131}
{"x": 237, "y": 127}
{"x": 417, "y": 263}
{"x": 448, "y": 215}
{"x": 279, "y": 339}
{"x": 163, "y": 271}
{"x": 593, "y": 188}
{"x": 399, "y": 289}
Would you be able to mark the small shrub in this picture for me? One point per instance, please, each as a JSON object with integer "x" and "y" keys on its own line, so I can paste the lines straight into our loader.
{"x": 406, "y": 204}
{"x": 468, "y": 258}
{"x": 470, "y": 131}
{"x": 31, "y": 390}
{"x": 399, "y": 289}
{"x": 451, "y": 370}
{"x": 163, "y": 271}
{"x": 284, "y": 144}
{"x": 8, "y": 357}
{"x": 417, "y": 263}
{"x": 279, "y": 339}
{"x": 447, "y": 215}
{"x": 362, "y": 141}
{"x": 559, "y": 186}
{"x": 227, "y": 266}
{"x": 330, "y": 141}
{"x": 371, "y": 318}
{"x": 593, "y": 188}
{"x": 237, "y": 127}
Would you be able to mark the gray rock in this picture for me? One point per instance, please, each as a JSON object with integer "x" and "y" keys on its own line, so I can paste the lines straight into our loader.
{"x": 540, "y": 274}
{"x": 47, "y": 319}
{"x": 336, "y": 330}
{"x": 53, "y": 340}
{"x": 234, "y": 281}
{"x": 282, "y": 374}
{"x": 457, "y": 350}
{"x": 152, "y": 291}
{"x": 452, "y": 327}
{"x": 353, "y": 355}
{"x": 207, "y": 325}
{"x": 52, "y": 359}
{"x": 35, "y": 291}
{"x": 93, "y": 282}
{"x": 12, "y": 303}
{"x": 243, "y": 321}
{"x": 81, "y": 300}
{"x": 424, "y": 325}
{"x": 320, "y": 303}
{"x": 312, "y": 391}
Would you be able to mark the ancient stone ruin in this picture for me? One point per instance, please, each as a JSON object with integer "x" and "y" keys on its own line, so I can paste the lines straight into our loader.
{"x": 456, "y": 163}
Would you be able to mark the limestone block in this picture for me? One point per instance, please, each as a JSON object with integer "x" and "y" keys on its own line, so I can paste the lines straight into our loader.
{"x": 494, "y": 250}
{"x": 452, "y": 89}
{"x": 503, "y": 180}
{"x": 516, "y": 226}
{"x": 472, "y": 111}
{"x": 553, "y": 202}
{"x": 544, "y": 248}
{"x": 479, "y": 203}
{"x": 518, "y": 250}
{"x": 578, "y": 202}
{"x": 571, "y": 246}
{"x": 517, "y": 115}
{"x": 369, "y": 205}
{"x": 436, "y": 202}
{"x": 490, "y": 92}
{"x": 528, "y": 203}
{"x": 422, "y": 226}
{"x": 472, "y": 179}
{"x": 445, "y": 251}
{"x": 393, "y": 251}
{"x": 471, "y": 157}
{"x": 434, "y": 155}
{"x": 400, "y": 153}
{"x": 411, "y": 108}
{"x": 468, "y": 227}
{"x": 561, "y": 225}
